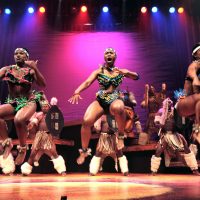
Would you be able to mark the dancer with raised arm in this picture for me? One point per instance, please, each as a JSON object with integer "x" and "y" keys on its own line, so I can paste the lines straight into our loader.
{"x": 107, "y": 99}
{"x": 22, "y": 100}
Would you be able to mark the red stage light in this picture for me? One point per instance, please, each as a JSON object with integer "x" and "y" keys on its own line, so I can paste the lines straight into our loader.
{"x": 83, "y": 9}
{"x": 181, "y": 10}
{"x": 42, "y": 9}
{"x": 143, "y": 9}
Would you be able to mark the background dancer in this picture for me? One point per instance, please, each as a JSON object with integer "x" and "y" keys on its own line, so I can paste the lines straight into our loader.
{"x": 43, "y": 142}
{"x": 171, "y": 142}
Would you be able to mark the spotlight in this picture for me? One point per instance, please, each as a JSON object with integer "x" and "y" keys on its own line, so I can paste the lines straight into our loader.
{"x": 105, "y": 9}
{"x": 181, "y": 10}
{"x": 143, "y": 9}
{"x": 83, "y": 9}
{"x": 31, "y": 10}
{"x": 154, "y": 9}
{"x": 7, "y": 11}
{"x": 42, "y": 9}
{"x": 172, "y": 10}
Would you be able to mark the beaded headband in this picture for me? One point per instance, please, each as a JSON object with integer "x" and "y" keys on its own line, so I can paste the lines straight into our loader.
{"x": 195, "y": 50}
{"x": 23, "y": 50}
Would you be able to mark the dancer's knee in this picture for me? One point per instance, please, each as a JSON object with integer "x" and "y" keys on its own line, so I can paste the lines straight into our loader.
{"x": 87, "y": 123}
{"x": 19, "y": 121}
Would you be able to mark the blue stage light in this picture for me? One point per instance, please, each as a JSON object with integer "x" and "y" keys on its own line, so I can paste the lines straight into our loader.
{"x": 105, "y": 9}
{"x": 7, "y": 11}
{"x": 154, "y": 9}
{"x": 172, "y": 10}
{"x": 31, "y": 10}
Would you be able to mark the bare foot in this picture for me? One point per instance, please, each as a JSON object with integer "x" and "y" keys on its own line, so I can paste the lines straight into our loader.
{"x": 7, "y": 149}
{"x": 83, "y": 154}
{"x": 21, "y": 155}
{"x": 81, "y": 159}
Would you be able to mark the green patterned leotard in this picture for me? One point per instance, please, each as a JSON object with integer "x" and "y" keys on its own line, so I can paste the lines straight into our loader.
{"x": 104, "y": 96}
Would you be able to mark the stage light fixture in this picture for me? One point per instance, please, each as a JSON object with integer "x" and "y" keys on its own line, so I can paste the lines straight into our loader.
{"x": 42, "y": 9}
{"x": 172, "y": 10}
{"x": 105, "y": 9}
{"x": 181, "y": 10}
{"x": 143, "y": 9}
{"x": 31, "y": 10}
{"x": 83, "y": 9}
{"x": 154, "y": 9}
{"x": 7, "y": 11}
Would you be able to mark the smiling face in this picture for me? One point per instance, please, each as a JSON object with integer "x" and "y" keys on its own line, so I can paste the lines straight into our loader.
{"x": 110, "y": 56}
{"x": 20, "y": 56}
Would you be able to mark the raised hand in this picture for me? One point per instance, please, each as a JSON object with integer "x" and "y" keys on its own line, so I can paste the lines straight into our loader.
{"x": 75, "y": 98}
{"x": 31, "y": 63}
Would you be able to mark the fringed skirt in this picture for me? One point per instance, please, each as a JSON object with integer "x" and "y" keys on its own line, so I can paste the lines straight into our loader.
{"x": 107, "y": 144}
{"x": 43, "y": 141}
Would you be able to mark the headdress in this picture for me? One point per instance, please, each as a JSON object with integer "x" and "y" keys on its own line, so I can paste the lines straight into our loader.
{"x": 24, "y": 50}
{"x": 195, "y": 48}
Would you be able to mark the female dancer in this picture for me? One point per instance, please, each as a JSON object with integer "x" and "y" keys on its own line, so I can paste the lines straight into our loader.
{"x": 21, "y": 103}
{"x": 189, "y": 104}
{"x": 107, "y": 99}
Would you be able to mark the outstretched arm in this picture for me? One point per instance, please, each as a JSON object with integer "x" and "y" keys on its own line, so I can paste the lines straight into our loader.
{"x": 76, "y": 96}
{"x": 39, "y": 78}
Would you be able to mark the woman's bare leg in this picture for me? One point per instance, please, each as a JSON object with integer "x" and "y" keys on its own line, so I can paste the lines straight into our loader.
{"x": 6, "y": 112}
{"x": 186, "y": 106}
{"x": 117, "y": 109}
{"x": 21, "y": 119}
{"x": 93, "y": 112}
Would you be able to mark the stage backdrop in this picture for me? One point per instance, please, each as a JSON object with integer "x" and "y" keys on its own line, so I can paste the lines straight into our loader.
{"x": 157, "y": 47}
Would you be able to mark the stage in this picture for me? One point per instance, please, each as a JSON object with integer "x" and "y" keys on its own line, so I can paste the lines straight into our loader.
{"x": 104, "y": 186}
